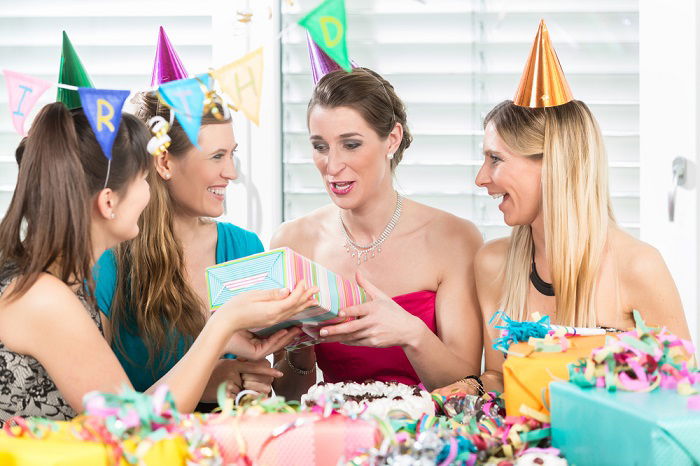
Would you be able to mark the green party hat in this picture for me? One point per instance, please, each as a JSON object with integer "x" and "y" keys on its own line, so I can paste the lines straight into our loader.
{"x": 71, "y": 73}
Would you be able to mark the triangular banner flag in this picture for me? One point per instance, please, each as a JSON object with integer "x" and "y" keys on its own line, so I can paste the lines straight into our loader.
{"x": 23, "y": 92}
{"x": 327, "y": 26}
{"x": 242, "y": 82}
{"x": 186, "y": 98}
{"x": 103, "y": 109}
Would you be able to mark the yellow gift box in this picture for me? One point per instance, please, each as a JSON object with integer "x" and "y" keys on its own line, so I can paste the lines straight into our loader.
{"x": 527, "y": 374}
{"x": 62, "y": 447}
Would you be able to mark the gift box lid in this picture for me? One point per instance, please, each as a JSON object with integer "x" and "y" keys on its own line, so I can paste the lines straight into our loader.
{"x": 262, "y": 271}
{"x": 594, "y": 426}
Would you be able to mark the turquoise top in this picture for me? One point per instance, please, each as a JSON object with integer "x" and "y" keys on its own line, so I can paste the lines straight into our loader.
{"x": 232, "y": 243}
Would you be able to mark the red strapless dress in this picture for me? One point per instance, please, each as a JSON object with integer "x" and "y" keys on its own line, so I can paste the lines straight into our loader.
{"x": 342, "y": 363}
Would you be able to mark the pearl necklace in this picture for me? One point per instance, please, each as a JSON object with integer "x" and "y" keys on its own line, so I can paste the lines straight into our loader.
{"x": 362, "y": 253}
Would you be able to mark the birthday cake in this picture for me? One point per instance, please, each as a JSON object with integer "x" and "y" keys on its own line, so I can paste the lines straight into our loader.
{"x": 370, "y": 398}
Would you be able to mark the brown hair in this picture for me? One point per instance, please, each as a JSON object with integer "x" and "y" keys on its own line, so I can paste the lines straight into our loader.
{"x": 61, "y": 169}
{"x": 575, "y": 203}
{"x": 371, "y": 96}
{"x": 153, "y": 296}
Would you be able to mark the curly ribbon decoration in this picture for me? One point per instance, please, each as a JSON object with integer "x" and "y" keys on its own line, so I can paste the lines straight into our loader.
{"x": 213, "y": 102}
{"x": 640, "y": 360}
{"x": 159, "y": 143}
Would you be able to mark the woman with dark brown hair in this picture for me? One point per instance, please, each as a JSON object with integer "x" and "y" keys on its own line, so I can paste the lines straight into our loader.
{"x": 430, "y": 331}
{"x": 153, "y": 288}
{"x": 62, "y": 216}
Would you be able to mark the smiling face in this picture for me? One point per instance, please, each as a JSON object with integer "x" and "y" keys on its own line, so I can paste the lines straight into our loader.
{"x": 199, "y": 176}
{"x": 350, "y": 155}
{"x": 514, "y": 178}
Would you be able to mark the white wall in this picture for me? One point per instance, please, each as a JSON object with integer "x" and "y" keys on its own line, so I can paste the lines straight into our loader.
{"x": 669, "y": 126}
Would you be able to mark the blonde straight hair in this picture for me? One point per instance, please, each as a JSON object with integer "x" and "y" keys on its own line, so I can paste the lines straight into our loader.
{"x": 575, "y": 203}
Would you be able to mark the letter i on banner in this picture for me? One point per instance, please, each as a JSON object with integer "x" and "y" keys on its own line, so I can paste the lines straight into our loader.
{"x": 103, "y": 109}
{"x": 242, "y": 82}
{"x": 23, "y": 92}
{"x": 327, "y": 26}
{"x": 186, "y": 98}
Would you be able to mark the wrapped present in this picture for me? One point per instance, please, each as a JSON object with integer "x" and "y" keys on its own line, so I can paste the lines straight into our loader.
{"x": 596, "y": 426}
{"x": 60, "y": 443}
{"x": 115, "y": 429}
{"x": 303, "y": 439}
{"x": 527, "y": 373}
{"x": 284, "y": 268}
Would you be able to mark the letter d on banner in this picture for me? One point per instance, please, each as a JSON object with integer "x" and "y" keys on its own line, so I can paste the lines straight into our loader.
{"x": 103, "y": 109}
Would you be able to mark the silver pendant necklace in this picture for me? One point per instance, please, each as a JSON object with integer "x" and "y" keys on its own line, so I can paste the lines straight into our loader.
{"x": 361, "y": 252}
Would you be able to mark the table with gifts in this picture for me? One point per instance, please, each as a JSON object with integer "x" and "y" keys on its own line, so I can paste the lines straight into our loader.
{"x": 620, "y": 398}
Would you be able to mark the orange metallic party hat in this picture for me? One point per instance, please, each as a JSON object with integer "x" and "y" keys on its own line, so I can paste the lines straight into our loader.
{"x": 543, "y": 83}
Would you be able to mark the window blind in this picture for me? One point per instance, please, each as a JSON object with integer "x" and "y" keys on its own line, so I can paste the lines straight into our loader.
{"x": 451, "y": 61}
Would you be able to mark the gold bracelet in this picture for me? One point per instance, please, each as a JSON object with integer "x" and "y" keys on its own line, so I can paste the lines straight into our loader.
{"x": 295, "y": 368}
{"x": 473, "y": 382}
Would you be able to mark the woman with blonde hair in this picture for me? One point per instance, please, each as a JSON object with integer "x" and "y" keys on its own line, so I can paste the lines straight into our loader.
{"x": 544, "y": 158}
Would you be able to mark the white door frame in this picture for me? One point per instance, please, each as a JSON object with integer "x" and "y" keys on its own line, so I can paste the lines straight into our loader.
{"x": 670, "y": 127}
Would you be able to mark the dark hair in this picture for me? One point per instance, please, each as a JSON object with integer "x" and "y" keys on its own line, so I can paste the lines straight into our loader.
{"x": 371, "y": 96}
{"x": 61, "y": 168}
{"x": 153, "y": 294}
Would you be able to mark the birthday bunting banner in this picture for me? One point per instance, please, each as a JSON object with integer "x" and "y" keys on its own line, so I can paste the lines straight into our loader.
{"x": 242, "y": 82}
{"x": 23, "y": 92}
{"x": 103, "y": 109}
{"x": 327, "y": 26}
{"x": 186, "y": 98}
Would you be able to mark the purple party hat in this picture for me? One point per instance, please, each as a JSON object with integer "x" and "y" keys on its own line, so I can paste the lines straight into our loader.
{"x": 167, "y": 66}
{"x": 321, "y": 63}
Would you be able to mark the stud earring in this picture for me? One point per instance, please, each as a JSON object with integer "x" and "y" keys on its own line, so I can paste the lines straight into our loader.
{"x": 112, "y": 215}
{"x": 390, "y": 156}
{"x": 167, "y": 176}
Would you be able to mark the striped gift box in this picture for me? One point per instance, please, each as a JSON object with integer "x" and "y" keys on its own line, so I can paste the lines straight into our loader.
{"x": 283, "y": 268}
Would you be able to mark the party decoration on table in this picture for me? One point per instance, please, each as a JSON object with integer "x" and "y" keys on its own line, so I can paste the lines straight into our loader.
{"x": 124, "y": 428}
{"x": 23, "y": 92}
{"x": 167, "y": 65}
{"x": 327, "y": 27}
{"x": 242, "y": 82}
{"x": 640, "y": 360}
{"x": 555, "y": 341}
{"x": 513, "y": 331}
{"x": 103, "y": 109}
{"x": 160, "y": 141}
{"x": 284, "y": 268}
{"x": 72, "y": 73}
{"x": 321, "y": 63}
{"x": 479, "y": 433}
{"x": 543, "y": 83}
{"x": 186, "y": 99}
